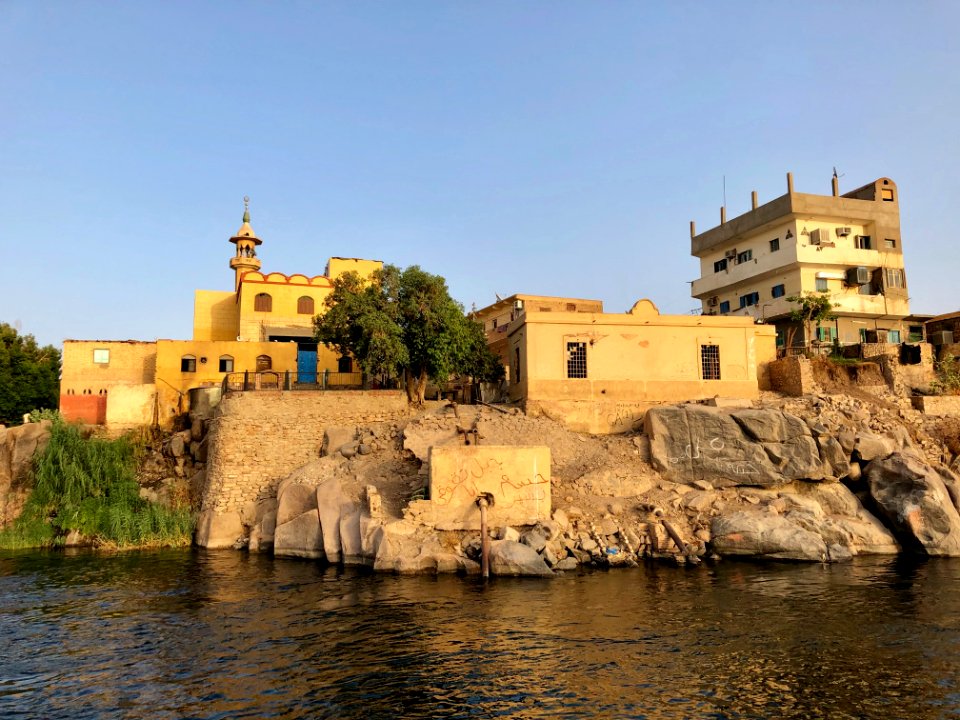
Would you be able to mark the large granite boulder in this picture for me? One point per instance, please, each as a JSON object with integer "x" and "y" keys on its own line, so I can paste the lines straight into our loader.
{"x": 765, "y": 448}
{"x": 294, "y": 499}
{"x": 218, "y": 530}
{"x": 299, "y": 537}
{"x": 767, "y": 535}
{"x": 914, "y": 498}
{"x": 514, "y": 558}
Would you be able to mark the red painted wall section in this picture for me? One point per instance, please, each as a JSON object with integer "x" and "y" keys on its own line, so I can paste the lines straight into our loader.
{"x": 90, "y": 409}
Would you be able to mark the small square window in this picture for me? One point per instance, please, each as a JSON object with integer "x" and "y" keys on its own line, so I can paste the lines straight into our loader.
{"x": 862, "y": 242}
{"x": 101, "y": 356}
{"x": 745, "y": 256}
{"x": 725, "y": 306}
{"x": 886, "y": 194}
{"x": 775, "y": 245}
{"x": 720, "y": 265}
{"x": 778, "y": 291}
{"x": 749, "y": 299}
{"x": 188, "y": 364}
{"x": 822, "y": 285}
{"x": 890, "y": 243}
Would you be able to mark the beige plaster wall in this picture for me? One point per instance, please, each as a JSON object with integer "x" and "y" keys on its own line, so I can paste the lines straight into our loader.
{"x": 130, "y": 406}
{"x": 629, "y": 359}
{"x": 131, "y": 362}
{"x": 518, "y": 477}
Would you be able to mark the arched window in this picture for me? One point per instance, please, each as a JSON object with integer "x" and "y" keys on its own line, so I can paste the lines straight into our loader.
{"x": 263, "y": 303}
{"x": 305, "y": 305}
{"x": 188, "y": 363}
{"x": 226, "y": 363}
{"x": 264, "y": 363}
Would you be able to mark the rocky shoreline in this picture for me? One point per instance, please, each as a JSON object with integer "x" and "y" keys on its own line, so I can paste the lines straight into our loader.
{"x": 822, "y": 478}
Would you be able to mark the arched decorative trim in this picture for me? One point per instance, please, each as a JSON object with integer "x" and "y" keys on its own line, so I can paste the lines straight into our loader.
{"x": 188, "y": 363}
{"x": 226, "y": 364}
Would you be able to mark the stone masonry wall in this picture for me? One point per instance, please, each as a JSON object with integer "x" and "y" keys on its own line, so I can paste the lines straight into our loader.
{"x": 792, "y": 376}
{"x": 258, "y": 438}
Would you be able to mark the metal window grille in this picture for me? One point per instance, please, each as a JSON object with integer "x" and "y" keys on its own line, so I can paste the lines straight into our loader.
{"x": 710, "y": 361}
{"x": 576, "y": 359}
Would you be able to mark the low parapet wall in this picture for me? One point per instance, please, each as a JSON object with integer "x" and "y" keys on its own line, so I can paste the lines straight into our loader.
{"x": 258, "y": 438}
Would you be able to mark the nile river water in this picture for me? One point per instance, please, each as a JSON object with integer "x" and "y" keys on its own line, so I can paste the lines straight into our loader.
{"x": 193, "y": 634}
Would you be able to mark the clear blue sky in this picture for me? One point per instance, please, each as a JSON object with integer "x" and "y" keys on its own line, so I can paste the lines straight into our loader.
{"x": 557, "y": 148}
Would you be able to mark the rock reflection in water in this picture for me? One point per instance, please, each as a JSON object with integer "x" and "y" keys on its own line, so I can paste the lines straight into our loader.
{"x": 225, "y": 635}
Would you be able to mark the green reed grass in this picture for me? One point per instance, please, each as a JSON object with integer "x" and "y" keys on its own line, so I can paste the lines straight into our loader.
{"x": 90, "y": 485}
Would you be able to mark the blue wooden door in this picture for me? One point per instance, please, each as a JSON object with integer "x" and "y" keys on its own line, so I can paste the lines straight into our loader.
{"x": 306, "y": 365}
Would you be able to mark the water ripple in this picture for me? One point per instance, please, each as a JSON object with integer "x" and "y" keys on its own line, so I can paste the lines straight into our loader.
{"x": 192, "y": 634}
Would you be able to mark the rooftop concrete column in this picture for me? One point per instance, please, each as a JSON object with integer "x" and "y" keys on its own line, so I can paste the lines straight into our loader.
{"x": 836, "y": 186}
{"x": 753, "y": 200}
{"x": 693, "y": 229}
{"x": 789, "y": 182}
{"x": 723, "y": 214}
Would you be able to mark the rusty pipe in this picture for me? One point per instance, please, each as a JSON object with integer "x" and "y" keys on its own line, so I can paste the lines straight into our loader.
{"x": 483, "y": 502}
{"x": 681, "y": 545}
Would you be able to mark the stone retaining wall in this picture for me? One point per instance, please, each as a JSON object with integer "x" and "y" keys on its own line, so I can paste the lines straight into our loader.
{"x": 791, "y": 376}
{"x": 258, "y": 438}
{"x": 937, "y": 405}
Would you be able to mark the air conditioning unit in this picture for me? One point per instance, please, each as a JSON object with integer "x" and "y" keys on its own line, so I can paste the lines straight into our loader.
{"x": 857, "y": 276}
{"x": 713, "y": 301}
{"x": 843, "y": 231}
{"x": 941, "y": 337}
{"x": 518, "y": 305}
{"x": 818, "y": 236}
{"x": 731, "y": 254}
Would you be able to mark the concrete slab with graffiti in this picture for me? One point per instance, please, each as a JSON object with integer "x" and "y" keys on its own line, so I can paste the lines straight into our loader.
{"x": 518, "y": 477}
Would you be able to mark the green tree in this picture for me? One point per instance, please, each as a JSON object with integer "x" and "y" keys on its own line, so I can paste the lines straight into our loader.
{"x": 29, "y": 375}
{"x": 812, "y": 309}
{"x": 404, "y": 322}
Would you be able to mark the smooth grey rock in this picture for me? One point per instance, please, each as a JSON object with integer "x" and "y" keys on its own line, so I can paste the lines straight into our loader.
{"x": 561, "y": 519}
{"x": 765, "y": 535}
{"x": 835, "y": 460}
{"x": 299, "y": 537}
{"x": 512, "y": 558}
{"x": 759, "y": 447}
{"x": 294, "y": 499}
{"x": 873, "y": 447}
{"x": 914, "y": 498}
{"x": 351, "y": 544}
{"x": 508, "y": 533}
{"x": 331, "y": 503}
{"x": 218, "y": 530}
{"x": 364, "y": 449}
{"x": 534, "y": 540}
{"x": 177, "y": 446}
{"x": 335, "y": 437}
{"x": 568, "y": 563}
{"x": 262, "y": 534}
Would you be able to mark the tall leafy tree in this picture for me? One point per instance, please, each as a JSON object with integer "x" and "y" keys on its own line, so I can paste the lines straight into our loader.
{"x": 405, "y": 322}
{"x": 29, "y": 375}
{"x": 812, "y": 309}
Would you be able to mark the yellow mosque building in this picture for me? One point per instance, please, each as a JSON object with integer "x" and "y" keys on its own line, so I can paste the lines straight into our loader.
{"x": 260, "y": 332}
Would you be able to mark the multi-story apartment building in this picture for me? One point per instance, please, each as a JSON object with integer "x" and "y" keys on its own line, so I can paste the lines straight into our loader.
{"x": 847, "y": 246}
